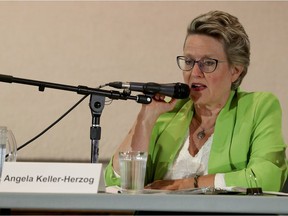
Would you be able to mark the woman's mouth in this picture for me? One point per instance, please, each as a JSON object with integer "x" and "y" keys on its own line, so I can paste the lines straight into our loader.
{"x": 198, "y": 87}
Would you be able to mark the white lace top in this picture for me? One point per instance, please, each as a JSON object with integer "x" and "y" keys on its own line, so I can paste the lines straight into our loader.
{"x": 185, "y": 165}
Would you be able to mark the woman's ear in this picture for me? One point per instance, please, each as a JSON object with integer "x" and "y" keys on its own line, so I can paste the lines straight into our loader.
{"x": 236, "y": 72}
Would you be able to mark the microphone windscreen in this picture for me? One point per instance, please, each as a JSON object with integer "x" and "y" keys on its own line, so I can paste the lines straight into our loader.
{"x": 181, "y": 91}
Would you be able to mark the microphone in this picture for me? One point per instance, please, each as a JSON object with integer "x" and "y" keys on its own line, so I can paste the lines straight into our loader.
{"x": 174, "y": 90}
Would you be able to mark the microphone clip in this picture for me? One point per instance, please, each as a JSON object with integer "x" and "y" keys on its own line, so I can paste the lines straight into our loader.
{"x": 126, "y": 92}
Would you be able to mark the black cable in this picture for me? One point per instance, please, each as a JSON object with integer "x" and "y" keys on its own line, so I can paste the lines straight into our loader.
{"x": 50, "y": 126}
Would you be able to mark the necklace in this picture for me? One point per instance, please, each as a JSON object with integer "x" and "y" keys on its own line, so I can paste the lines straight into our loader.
{"x": 202, "y": 134}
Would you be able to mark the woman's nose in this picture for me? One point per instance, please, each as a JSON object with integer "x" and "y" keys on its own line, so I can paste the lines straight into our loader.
{"x": 196, "y": 72}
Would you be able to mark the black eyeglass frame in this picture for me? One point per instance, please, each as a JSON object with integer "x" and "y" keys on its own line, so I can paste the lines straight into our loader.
{"x": 197, "y": 62}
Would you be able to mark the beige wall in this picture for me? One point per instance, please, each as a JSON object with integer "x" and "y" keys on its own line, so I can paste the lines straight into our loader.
{"x": 92, "y": 43}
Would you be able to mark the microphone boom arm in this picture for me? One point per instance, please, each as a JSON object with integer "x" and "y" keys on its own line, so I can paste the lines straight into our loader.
{"x": 97, "y": 102}
{"x": 83, "y": 90}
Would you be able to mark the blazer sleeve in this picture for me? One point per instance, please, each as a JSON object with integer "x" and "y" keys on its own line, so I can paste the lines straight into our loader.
{"x": 110, "y": 177}
{"x": 266, "y": 148}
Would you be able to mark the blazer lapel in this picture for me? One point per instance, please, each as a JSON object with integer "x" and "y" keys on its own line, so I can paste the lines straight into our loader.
{"x": 219, "y": 155}
{"x": 171, "y": 140}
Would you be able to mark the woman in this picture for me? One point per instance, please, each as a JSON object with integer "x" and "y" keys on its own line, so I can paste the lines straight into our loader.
{"x": 218, "y": 137}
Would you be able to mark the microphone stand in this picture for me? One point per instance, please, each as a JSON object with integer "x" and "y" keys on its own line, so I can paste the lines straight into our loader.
{"x": 96, "y": 104}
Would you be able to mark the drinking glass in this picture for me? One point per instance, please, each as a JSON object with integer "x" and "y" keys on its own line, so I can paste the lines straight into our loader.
{"x": 8, "y": 147}
{"x": 132, "y": 171}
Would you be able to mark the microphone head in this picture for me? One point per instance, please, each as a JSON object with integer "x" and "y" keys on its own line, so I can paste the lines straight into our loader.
{"x": 181, "y": 91}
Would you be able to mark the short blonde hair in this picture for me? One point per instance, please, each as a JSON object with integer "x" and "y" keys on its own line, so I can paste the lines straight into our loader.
{"x": 227, "y": 29}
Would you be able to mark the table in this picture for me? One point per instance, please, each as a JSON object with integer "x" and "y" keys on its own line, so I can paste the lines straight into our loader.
{"x": 266, "y": 204}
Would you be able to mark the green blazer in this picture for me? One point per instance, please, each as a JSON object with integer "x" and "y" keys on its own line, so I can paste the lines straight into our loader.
{"x": 247, "y": 136}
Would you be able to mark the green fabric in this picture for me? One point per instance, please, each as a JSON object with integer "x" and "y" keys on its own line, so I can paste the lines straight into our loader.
{"x": 247, "y": 136}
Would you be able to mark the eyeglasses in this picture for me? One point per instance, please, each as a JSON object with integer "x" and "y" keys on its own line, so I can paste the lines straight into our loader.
{"x": 206, "y": 65}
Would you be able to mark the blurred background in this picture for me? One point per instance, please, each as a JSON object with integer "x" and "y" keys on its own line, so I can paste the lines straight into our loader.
{"x": 91, "y": 43}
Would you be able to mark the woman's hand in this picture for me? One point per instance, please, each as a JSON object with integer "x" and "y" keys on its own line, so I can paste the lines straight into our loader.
{"x": 159, "y": 105}
{"x": 171, "y": 184}
{"x": 186, "y": 183}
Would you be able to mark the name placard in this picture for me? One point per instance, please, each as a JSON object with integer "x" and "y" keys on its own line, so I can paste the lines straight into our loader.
{"x": 51, "y": 177}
